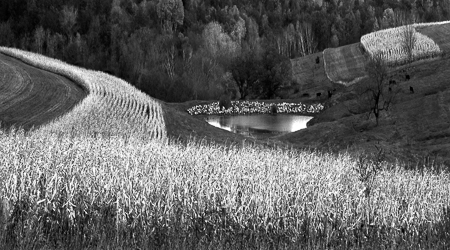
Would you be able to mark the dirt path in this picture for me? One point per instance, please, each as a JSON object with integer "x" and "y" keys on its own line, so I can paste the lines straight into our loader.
{"x": 32, "y": 97}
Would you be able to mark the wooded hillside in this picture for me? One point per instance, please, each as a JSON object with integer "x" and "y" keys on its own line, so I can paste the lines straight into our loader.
{"x": 178, "y": 50}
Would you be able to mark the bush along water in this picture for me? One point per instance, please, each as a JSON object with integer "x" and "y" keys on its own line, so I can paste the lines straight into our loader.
{"x": 255, "y": 107}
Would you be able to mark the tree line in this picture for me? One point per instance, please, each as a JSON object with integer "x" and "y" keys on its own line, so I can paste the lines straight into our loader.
{"x": 179, "y": 50}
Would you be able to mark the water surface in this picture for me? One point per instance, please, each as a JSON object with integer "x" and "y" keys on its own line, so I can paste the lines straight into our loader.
{"x": 261, "y": 124}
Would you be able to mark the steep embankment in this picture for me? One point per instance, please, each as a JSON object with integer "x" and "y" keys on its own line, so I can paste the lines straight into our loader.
{"x": 31, "y": 97}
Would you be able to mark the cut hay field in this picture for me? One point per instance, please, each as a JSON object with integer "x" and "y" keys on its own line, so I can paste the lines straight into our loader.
{"x": 310, "y": 76}
{"x": 32, "y": 97}
{"x": 345, "y": 65}
{"x": 439, "y": 34}
{"x": 305, "y": 69}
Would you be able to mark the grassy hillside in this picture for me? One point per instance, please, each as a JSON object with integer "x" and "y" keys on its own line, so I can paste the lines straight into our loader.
{"x": 415, "y": 130}
{"x": 345, "y": 65}
{"x": 439, "y": 34}
{"x": 310, "y": 78}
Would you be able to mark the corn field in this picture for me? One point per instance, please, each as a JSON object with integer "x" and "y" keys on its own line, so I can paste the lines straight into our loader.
{"x": 79, "y": 182}
{"x": 61, "y": 191}
{"x": 112, "y": 106}
{"x": 390, "y": 46}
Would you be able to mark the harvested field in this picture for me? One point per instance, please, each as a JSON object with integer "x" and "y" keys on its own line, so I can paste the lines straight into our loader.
{"x": 306, "y": 70}
{"x": 439, "y": 34}
{"x": 345, "y": 65}
{"x": 30, "y": 97}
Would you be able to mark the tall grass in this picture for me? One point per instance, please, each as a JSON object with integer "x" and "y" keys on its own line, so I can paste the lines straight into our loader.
{"x": 101, "y": 191}
{"x": 89, "y": 180}
{"x": 112, "y": 106}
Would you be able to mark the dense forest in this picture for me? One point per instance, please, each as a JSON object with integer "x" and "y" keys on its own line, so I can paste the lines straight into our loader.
{"x": 178, "y": 50}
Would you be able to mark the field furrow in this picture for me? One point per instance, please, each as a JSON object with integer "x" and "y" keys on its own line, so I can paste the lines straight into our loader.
{"x": 31, "y": 97}
{"x": 99, "y": 112}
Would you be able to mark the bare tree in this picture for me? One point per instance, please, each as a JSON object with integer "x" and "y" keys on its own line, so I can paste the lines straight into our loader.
{"x": 409, "y": 41}
{"x": 377, "y": 94}
{"x": 170, "y": 14}
{"x": 39, "y": 39}
{"x": 306, "y": 41}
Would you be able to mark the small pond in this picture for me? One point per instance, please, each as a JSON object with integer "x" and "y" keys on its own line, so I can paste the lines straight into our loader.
{"x": 259, "y": 125}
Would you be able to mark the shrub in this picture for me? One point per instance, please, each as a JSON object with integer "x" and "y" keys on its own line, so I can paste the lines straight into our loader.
{"x": 273, "y": 109}
{"x": 225, "y": 101}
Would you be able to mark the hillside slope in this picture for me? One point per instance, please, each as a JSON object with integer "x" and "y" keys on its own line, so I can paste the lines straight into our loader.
{"x": 417, "y": 128}
{"x": 439, "y": 33}
{"x": 112, "y": 106}
{"x": 345, "y": 65}
{"x": 32, "y": 97}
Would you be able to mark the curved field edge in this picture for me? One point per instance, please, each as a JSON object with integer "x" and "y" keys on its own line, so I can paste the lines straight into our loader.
{"x": 439, "y": 33}
{"x": 31, "y": 97}
{"x": 97, "y": 192}
{"x": 344, "y": 65}
{"x": 388, "y": 44}
{"x": 111, "y": 107}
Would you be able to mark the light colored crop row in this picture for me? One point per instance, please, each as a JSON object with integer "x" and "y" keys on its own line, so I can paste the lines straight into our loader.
{"x": 112, "y": 106}
{"x": 389, "y": 45}
{"x": 430, "y": 24}
{"x": 178, "y": 185}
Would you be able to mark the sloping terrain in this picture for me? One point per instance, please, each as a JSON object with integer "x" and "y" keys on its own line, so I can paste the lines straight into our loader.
{"x": 310, "y": 77}
{"x": 417, "y": 128}
{"x": 112, "y": 107}
{"x": 390, "y": 45}
{"x": 109, "y": 192}
{"x": 306, "y": 69}
{"x": 439, "y": 34}
{"x": 32, "y": 97}
{"x": 345, "y": 65}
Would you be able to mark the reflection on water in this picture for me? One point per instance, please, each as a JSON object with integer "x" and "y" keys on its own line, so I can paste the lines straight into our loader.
{"x": 255, "y": 125}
